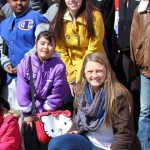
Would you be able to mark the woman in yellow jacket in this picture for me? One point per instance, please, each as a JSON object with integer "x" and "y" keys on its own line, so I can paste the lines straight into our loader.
{"x": 79, "y": 31}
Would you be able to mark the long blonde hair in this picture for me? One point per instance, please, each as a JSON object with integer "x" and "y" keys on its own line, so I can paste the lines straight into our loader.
{"x": 113, "y": 88}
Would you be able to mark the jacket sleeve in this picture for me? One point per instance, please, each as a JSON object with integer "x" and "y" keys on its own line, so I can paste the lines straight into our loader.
{"x": 3, "y": 59}
{"x": 62, "y": 49}
{"x": 23, "y": 88}
{"x": 122, "y": 122}
{"x": 51, "y": 12}
{"x": 59, "y": 89}
{"x": 96, "y": 43}
{"x": 133, "y": 40}
{"x": 11, "y": 139}
{"x": 36, "y": 5}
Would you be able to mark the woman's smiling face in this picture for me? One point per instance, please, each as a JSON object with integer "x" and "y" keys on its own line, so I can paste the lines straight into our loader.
{"x": 95, "y": 74}
{"x": 73, "y": 5}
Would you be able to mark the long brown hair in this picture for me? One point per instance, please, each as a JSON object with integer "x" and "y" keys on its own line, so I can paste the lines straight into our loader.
{"x": 113, "y": 88}
{"x": 85, "y": 11}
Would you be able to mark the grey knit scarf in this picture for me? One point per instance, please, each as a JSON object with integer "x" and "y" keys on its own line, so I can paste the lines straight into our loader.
{"x": 92, "y": 110}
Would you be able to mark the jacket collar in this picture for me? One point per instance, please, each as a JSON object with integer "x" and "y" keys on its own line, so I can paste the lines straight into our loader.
{"x": 37, "y": 62}
{"x": 24, "y": 13}
{"x": 13, "y": 17}
{"x": 68, "y": 17}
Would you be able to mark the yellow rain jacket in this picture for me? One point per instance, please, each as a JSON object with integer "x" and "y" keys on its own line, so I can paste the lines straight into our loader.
{"x": 75, "y": 45}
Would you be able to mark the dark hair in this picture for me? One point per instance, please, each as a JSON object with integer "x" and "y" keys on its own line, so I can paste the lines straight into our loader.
{"x": 4, "y": 103}
{"x": 85, "y": 11}
{"x": 48, "y": 35}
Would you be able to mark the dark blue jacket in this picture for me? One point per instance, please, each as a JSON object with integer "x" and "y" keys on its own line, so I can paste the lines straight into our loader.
{"x": 124, "y": 24}
{"x": 18, "y": 34}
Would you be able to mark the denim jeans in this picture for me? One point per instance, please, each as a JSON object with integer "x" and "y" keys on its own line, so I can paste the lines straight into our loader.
{"x": 71, "y": 142}
{"x": 144, "y": 120}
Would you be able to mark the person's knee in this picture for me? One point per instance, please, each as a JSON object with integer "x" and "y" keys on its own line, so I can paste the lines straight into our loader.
{"x": 145, "y": 111}
{"x": 53, "y": 144}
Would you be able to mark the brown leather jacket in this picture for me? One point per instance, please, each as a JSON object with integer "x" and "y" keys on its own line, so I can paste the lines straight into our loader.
{"x": 122, "y": 123}
{"x": 140, "y": 41}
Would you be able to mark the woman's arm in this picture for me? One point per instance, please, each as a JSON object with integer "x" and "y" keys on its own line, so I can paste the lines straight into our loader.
{"x": 122, "y": 122}
{"x": 96, "y": 43}
{"x": 134, "y": 34}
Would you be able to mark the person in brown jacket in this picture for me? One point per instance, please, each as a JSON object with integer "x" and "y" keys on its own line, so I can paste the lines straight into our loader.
{"x": 103, "y": 118}
{"x": 140, "y": 55}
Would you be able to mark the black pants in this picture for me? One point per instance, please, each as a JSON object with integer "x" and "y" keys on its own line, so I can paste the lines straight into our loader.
{"x": 31, "y": 141}
{"x": 68, "y": 102}
{"x": 122, "y": 71}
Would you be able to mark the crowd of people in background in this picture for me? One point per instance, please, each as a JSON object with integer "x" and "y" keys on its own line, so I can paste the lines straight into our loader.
{"x": 89, "y": 56}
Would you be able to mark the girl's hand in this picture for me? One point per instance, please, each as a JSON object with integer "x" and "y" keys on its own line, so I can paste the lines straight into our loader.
{"x": 28, "y": 121}
{"x": 9, "y": 69}
{"x": 73, "y": 88}
{"x": 73, "y": 132}
{"x": 14, "y": 70}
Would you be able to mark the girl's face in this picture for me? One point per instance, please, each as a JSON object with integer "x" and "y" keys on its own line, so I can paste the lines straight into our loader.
{"x": 73, "y": 5}
{"x": 95, "y": 74}
{"x": 45, "y": 48}
{"x": 19, "y": 6}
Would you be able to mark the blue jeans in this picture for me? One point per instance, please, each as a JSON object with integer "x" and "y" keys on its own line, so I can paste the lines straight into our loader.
{"x": 144, "y": 120}
{"x": 71, "y": 142}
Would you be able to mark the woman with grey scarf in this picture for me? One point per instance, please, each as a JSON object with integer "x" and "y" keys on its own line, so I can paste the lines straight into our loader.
{"x": 103, "y": 117}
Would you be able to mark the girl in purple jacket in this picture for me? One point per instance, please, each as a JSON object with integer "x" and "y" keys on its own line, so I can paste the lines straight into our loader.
{"x": 50, "y": 84}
